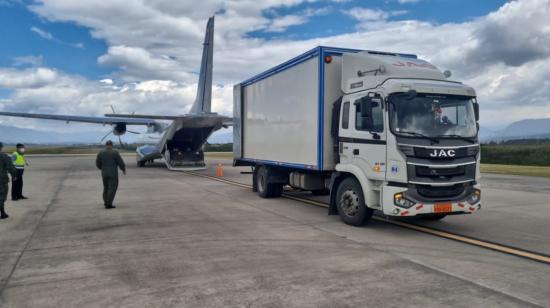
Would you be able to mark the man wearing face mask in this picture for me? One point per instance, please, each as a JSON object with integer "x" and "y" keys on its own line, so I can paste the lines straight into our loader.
{"x": 19, "y": 161}
{"x": 6, "y": 167}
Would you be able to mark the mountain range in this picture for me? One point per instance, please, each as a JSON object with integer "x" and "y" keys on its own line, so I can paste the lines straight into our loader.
{"x": 12, "y": 135}
{"x": 523, "y": 129}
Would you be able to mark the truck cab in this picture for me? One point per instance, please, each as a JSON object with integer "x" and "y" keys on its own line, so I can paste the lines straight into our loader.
{"x": 407, "y": 137}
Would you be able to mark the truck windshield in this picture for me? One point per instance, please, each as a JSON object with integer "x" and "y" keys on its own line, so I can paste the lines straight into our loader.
{"x": 432, "y": 116}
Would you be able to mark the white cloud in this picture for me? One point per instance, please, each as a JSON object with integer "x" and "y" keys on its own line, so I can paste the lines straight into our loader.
{"x": 282, "y": 23}
{"x": 42, "y": 33}
{"x": 48, "y": 36}
{"x": 46, "y": 91}
{"x": 368, "y": 15}
{"x": 155, "y": 86}
{"x": 157, "y": 45}
{"x": 27, "y": 78}
{"x": 408, "y": 1}
{"x": 28, "y": 61}
{"x": 107, "y": 81}
{"x": 139, "y": 64}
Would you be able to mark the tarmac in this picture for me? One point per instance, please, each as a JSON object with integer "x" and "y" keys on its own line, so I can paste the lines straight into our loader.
{"x": 179, "y": 240}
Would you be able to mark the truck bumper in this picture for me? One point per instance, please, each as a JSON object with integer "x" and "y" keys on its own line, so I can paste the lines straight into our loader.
{"x": 421, "y": 207}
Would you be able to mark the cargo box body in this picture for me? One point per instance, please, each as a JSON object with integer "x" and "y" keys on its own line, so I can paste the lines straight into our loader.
{"x": 282, "y": 116}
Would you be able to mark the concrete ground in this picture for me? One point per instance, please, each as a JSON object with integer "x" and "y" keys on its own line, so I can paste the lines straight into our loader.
{"x": 178, "y": 240}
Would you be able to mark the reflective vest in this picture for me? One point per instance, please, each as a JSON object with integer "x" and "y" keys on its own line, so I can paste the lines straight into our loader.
{"x": 18, "y": 160}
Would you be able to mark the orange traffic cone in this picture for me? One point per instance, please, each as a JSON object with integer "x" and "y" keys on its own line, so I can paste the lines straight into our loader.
{"x": 220, "y": 170}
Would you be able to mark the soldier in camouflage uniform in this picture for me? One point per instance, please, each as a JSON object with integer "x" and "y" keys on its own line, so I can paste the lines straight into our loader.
{"x": 6, "y": 166}
{"x": 108, "y": 161}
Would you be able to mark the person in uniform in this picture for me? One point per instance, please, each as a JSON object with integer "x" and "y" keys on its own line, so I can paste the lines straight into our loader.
{"x": 6, "y": 166}
{"x": 108, "y": 161}
{"x": 19, "y": 161}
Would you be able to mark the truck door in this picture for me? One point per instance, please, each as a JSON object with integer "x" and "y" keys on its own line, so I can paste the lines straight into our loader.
{"x": 366, "y": 136}
{"x": 344, "y": 146}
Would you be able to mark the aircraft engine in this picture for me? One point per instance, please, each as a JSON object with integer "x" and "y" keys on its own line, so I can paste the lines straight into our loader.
{"x": 119, "y": 129}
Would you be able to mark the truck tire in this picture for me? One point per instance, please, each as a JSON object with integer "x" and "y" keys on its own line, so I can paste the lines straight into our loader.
{"x": 350, "y": 203}
{"x": 265, "y": 188}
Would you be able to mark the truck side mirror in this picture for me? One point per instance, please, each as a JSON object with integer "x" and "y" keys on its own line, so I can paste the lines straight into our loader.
{"x": 366, "y": 107}
{"x": 476, "y": 111}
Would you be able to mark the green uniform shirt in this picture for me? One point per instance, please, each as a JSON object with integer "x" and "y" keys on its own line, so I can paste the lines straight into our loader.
{"x": 108, "y": 161}
{"x": 6, "y": 166}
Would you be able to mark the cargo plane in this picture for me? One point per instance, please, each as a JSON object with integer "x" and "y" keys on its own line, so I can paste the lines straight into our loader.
{"x": 180, "y": 141}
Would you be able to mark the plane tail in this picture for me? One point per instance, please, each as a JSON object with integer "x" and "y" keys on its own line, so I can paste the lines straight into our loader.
{"x": 204, "y": 91}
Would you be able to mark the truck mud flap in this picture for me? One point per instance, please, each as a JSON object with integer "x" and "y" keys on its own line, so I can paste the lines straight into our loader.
{"x": 335, "y": 179}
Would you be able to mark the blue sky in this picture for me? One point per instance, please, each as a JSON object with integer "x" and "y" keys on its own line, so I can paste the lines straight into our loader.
{"x": 337, "y": 22}
{"x": 18, "y": 40}
{"x": 78, "y": 57}
{"x": 16, "y": 22}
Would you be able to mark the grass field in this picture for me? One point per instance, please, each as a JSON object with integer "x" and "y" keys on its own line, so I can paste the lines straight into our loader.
{"x": 516, "y": 170}
{"x": 93, "y": 150}
{"x": 62, "y": 150}
{"x": 222, "y": 155}
{"x": 516, "y": 154}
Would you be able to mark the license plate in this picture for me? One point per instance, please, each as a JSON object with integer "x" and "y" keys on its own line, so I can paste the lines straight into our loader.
{"x": 443, "y": 207}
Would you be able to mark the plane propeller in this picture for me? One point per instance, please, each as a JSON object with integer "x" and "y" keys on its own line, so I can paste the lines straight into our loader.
{"x": 118, "y": 134}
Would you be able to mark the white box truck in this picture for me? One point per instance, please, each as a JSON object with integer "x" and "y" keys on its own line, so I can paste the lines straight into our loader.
{"x": 375, "y": 130}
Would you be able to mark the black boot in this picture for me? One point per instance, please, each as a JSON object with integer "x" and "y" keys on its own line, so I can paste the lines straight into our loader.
{"x": 3, "y": 214}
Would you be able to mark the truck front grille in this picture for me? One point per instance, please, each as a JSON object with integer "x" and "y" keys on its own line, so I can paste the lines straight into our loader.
{"x": 440, "y": 192}
{"x": 440, "y": 173}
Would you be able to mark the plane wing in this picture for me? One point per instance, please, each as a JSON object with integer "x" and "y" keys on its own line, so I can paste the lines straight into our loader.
{"x": 141, "y": 116}
{"x": 84, "y": 119}
{"x": 186, "y": 118}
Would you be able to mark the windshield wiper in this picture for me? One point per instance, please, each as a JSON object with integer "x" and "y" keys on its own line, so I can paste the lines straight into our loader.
{"x": 420, "y": 135}
{"x": 471, "y": 140}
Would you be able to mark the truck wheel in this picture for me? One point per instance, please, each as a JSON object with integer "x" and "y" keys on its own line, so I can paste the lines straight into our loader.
{"x": 433, "y": 217}
{"x": 255, "y": 179}
{"x": 266, "y": 189}
{"x": 350, "y": 203}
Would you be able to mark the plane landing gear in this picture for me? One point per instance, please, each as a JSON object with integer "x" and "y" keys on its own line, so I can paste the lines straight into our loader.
{"x": 181, "y": 159}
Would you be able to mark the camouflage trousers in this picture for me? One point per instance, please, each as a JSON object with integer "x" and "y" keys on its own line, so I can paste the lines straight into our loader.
{"x": 3, "y": 195}
{"x": 3, "y": 192}
{"x": 110, "y": 186}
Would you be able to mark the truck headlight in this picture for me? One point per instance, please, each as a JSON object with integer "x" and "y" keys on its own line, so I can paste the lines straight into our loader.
{"x": 472, "y": 151}
{"x": 474, "y": 197}
{"x": 407, "y": 150}
{"x": 400, "y": 200}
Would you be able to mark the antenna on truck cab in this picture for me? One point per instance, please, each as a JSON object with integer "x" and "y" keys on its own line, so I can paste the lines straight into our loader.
{"x": 381, "y": 69}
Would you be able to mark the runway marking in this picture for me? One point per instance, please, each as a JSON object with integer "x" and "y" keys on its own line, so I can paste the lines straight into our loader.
{"x": 518, "y": 252}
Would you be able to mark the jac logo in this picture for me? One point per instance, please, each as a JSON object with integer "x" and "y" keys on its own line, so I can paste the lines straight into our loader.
{"x": 442, "y": 153}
